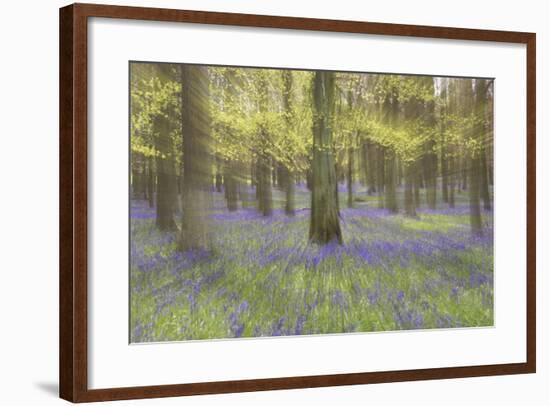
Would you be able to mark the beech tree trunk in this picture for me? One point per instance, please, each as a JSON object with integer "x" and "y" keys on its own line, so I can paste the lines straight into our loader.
{"x": 391, "y": 199}
{"x": 380, "y": 174}
{"x": 166, "y": 178}
{"x": 150, "y": 182}
{"x": 231, "y": 186}
{"x": 475, "y": 208}
{"x": 324, "y": 221}
{"x": 410, "y": 206}
{"x": 350, "y": 177}
{"x": 197, "y": 193}
{"x": 290, "y": 188}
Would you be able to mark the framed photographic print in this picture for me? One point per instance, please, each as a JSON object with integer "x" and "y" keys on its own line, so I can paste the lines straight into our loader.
{"x": 256, "y": 202}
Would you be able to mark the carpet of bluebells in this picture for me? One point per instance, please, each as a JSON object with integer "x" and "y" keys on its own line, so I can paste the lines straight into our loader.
{"x": 264, "y": 279}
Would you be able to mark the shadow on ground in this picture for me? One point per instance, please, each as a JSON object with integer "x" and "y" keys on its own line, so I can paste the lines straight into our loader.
{"x": 50, "y": 388}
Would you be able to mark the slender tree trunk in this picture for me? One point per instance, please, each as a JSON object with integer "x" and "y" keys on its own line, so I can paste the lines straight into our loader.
{"x": 290, "y": 187}
{"x": 391, "y": 200}
{"x": 309, "y": 178}
{"x": 135, "y": 182}
{"x": 399, "y": 172}
{"x": 138, "y": 176}
{"x": 371, "y": 168}
{"x": 444, "y": 174}
{"x": 430, "y": 174}
{"x": 475, "y": 158}
{"x": 410, "y": 209}
{"x": 274, "y": 173}
{"x": 417, "y": 181}
{"x": 286, "y": 174}
{"x": 464, "y": 173}
{"x": 443, "y": 112}
{"x": 324, "y": 221}
{"x": 219, "y": 180}
{"x": 484, "y": 184}
{"x": 452, "y": 182}
{"x": 150, "y": 182}
{"x": 380, "y": 174}
{"x": 197, "y": 195}
{"x": 363, "y": 164}
{"x": 265, "y": 170}
{"x": 475, "y": 209}
{"x": 231, "y": 186}
{"x": 264, "y": 185}
{"x": 350, "y": 177}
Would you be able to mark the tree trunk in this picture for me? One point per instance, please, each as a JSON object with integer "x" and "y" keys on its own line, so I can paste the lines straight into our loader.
{"x": 197, "y": 194}
{"x": 274, "y": 174}
{"x": 484, "y": 184}
{"x": 350, "y": 177}
{"x": 150, "y": 182}
{"x": 464, "y": 172}
{"x": 219, "y": 182}
{"x": 452, "y": 182}
{"x": 231, "y": 186}
{"x": 410, "y": 209}
{"x": 138, "y": 176}
{"x": 380, "y": 174}
{"x": 265, "y": 170}
{"x": 399, "y": 173}
{"x": 264, "y": 192}
{"x": 475, "y": 166}
{"x": 475, "y": 209}
{"x": 417, "y": 181}
{"x": 290, "y": 188}
{"x": 309, "y": 178}
{"x": 370, "y": 167}
{"x": 430, "y": 172}
{"x": 484, "y": 173}
{"x": 391, "y": 200}
{"x": 166, "y": 179}
{"x": 135, "y": 182}
{"x": 286, "y": 175}
{"x": 444, "y": 174}
{"x": 324, "y": 221}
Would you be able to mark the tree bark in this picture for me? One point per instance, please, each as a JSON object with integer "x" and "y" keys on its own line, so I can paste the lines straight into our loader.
{"x": 391, "y": 200}
{"x": 324, "y": 221}
{"x": 417, "y": 181}
{"x": 286, "y": 174}
{"x": 484, "y": 184}
{"x": 410, "y": 209}
{"x": 350, "y": 177}
{"x": 264, "y": 192}
{"x": 452, "y": 182}
{"x": 231, "y": 186}
{"x": 166, "y": 179}
{"x": 380, "y": 174}
{"x": 475, "y": 209}
{"x": 444, "y": 174}
{"x": 474, "y": 158}
{"x": 150, "y": 182}
{"x": 197, "y": 194}
{"x": 290, "y": 188}
{"x": 265, "y": 200}
{"x": 370, "y": 167}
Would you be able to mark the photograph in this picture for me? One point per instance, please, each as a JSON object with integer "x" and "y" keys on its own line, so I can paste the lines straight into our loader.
{"x": 283, "y": 202}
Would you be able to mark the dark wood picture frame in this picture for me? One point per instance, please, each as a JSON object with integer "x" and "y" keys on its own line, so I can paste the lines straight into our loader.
{"x": 73, "y": 362}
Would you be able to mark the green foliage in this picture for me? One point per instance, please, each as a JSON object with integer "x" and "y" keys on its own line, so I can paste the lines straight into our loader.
{"x": 153, "y": 96}
{"x": 249, "y": 117}
{"x": 269, "y": 112}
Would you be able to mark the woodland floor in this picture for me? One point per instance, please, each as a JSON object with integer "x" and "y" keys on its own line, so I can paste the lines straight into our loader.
{"x": 264, "y": 279}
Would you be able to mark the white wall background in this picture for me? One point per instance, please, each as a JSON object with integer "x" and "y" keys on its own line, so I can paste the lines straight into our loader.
{"x": 28, "y": 202}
